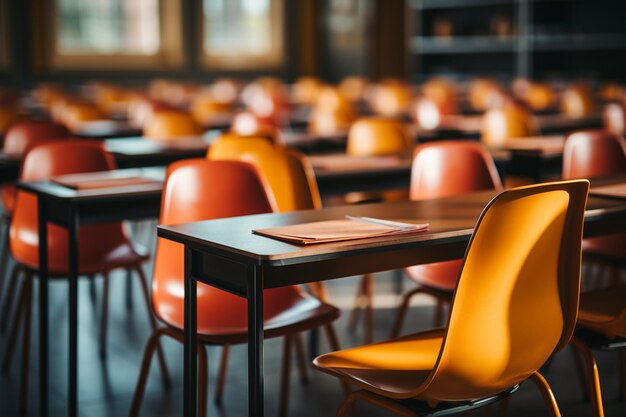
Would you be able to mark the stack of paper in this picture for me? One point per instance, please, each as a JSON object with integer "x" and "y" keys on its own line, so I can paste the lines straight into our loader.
{"x": 87, "y": 182}
{"x": 339, "y": 230}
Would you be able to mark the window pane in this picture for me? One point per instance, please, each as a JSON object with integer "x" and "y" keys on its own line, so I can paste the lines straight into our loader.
{"x": 108, "y": 26}
{"x": 239, "y": 27}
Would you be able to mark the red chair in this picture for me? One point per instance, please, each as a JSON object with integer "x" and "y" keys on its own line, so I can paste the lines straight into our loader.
{"x": 596, "y": 153}
{"x": 200, "y": 190}
{"x": 442, "y": 169}
{"x": 20, "y": 137}
{"x": 103, "y": 247}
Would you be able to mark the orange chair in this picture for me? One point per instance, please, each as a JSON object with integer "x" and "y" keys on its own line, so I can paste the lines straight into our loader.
{"x": 168, "y": 125}
{"x": 578, "y": 101}
{"x": 442, "y": 169}
{"x": 332, "y": 112}
{"x": 103, "y": 247}
{"x": 74, "y": 114}
{"x": 372, "y": 136}
{"x": 509, "y": 121}
{"x": 615, "y": 118}
{"x": 200, "y": 190}
{"x": 287, "y": 172}
{"x": 514, "y": 306}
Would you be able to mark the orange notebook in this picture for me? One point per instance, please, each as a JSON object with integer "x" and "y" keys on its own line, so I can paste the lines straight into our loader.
{"x": 338, "y": 230}
{"x": 82, "y": 183}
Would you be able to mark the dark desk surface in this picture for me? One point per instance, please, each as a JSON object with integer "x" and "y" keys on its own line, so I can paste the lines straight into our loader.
{"x": 450, "y": 219}
{"x": 547, "y": 123}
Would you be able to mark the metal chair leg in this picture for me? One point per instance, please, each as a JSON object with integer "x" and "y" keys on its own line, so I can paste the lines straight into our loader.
{"x": 152, "y": 344}
{"x": 203, "y": 380}
{"x": 369, "y": 309}
{"x": 104, "y": 318}
{"x": 283, "y": 402}
{"x": 547, "y": 394}
{"x": 28, "y": 299}
{"x": 9, "y": 297}
{"x": 595, "y": 391}
{"x": 221, "y": 375}
{"x": 153, "y": 324}
{"x": 15, "y": 326}
{"x": 4, "y": 251}
{"x": 301, "y": 361}
{"x": 402, "y": 310}
{"x": 622, "y": 380}
{"x": 356, "y": 310}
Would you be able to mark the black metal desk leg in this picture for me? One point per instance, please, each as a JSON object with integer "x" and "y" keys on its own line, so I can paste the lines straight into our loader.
{"x": 255, "y": 344}
{"x": 190, "y": 388}
{"x": 43, "y": 307}
{"x": 72, "y": 395}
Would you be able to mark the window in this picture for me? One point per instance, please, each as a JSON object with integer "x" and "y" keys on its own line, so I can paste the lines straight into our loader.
{"x": 4, "y": 35}
{"x": 107, "y": 34}
{"x": 241, "y": 34}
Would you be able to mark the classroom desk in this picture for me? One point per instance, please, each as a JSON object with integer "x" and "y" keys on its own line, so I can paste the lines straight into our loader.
{"x": 548, "y": 124}
{"x": 70, "y": 208}
{"x": 224, "y": 253}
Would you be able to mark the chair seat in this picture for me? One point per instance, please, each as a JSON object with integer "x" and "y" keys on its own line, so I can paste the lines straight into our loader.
{"x": 108, "y": 255}
{"x": 394, "y": 368}
{"x": 612, "y": 247}
{"x": 8, "y": 198}
{"x": 439, "y": 275}
{"x": 286, "y": 311}
{"x": 599, "y": 310}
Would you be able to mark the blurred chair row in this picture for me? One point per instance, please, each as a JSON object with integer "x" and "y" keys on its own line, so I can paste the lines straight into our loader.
{"x": 286, "y": 184}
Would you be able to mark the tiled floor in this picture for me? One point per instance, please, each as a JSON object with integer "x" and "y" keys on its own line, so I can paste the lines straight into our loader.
{"x": 107, "y": 386}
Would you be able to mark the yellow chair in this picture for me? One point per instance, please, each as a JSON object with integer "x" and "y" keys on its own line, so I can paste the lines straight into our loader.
{"x": 168, "y": 125}
{"x": 515, "y": 305}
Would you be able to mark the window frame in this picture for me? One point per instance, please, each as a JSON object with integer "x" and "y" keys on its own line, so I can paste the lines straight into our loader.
{"x": 169, "y": 56}
{"x": 274, "y": 59}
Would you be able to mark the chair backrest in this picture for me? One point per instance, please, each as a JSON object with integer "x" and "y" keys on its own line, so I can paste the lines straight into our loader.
{"x": 49, "y": 160}
{"x": 517, "y": 297}
{"x": 165, "y": 125}
{"x": 287, "y": 173}
{"x": 448, "y": 168}
{"x": 373, "y": 136}
{"x": 195, "y": 190}
{"x": 593, "y": 153}
{"x": 23, "y": 135}
{"x": 501, "y": 124}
